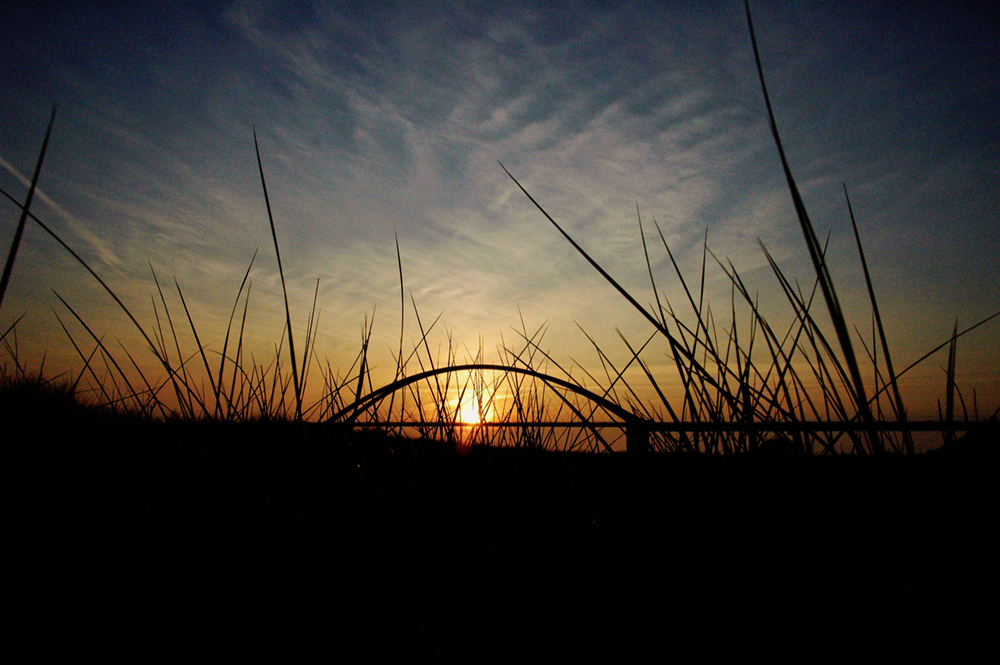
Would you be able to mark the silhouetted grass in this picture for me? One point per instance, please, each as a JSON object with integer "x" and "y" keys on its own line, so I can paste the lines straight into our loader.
{"x": 724, "y": 383}
{"x": 752, "y": 376}
{"x": 179, "y": 514}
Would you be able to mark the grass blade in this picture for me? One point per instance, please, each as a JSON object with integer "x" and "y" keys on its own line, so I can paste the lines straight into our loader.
{"x": 284, "y": 289}
{"x": 819, "y": 263}
{"x": 8, "y": 265}
{"x": 949, "y": 411}
{"x": 900, "y": 409}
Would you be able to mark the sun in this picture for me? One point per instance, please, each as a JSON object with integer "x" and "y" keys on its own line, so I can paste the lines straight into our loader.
{"x": 469, "y": 414}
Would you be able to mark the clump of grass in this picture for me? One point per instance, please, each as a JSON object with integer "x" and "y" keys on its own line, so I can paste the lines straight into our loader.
{"x": 733, "y": 391}
{"x": 26, "y": 397}
{"x": 241, "y": 387}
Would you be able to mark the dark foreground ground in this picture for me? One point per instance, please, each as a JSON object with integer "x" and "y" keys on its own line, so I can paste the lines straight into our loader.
{"x": 245, "y": 538}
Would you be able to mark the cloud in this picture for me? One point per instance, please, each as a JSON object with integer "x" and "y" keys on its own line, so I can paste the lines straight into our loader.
{"x": 98, "y": 245}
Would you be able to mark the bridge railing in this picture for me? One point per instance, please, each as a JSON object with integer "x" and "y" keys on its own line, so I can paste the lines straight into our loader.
{"x": 638, "y": 431}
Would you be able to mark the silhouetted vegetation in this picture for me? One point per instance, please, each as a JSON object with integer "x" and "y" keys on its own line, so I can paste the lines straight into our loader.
{"x": 222, "y": 496}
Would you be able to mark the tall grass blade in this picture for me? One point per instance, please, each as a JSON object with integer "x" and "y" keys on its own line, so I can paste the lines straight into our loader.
{"x": 950, "y": 387}
{"x": 819, "y": 263}
{"x": 649, "y": 267}
{"x": 441, "y": 414}
{"x": 180, "y": 377}
{"x": 239, "y": 359}
{"x": 366, "y": 335}
{"x": 8, "y": 265}
{"x": 201, "y": 348}
{"x": 402, "y": 319}
{"x": 897, "y": 396}
{"x": 309, "y": 349}
{"x": 284, "y": 289}
{"x": 219, "y": 394}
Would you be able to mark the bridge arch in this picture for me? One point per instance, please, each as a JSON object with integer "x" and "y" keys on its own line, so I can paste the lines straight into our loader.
{"x": 636, "y": 429}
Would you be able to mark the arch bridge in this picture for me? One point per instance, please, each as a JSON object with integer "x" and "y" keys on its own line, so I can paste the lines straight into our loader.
{"x": 636, "y": 428}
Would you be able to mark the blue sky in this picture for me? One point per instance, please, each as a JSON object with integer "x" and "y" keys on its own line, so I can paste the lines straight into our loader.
{"x": 382, "y": 119}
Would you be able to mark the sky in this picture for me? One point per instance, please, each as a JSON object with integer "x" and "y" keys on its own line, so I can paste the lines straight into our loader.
{"x": 379, "y": 121}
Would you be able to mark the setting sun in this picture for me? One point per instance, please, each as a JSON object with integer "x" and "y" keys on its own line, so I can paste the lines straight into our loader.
{"x": 469, "y": 413}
